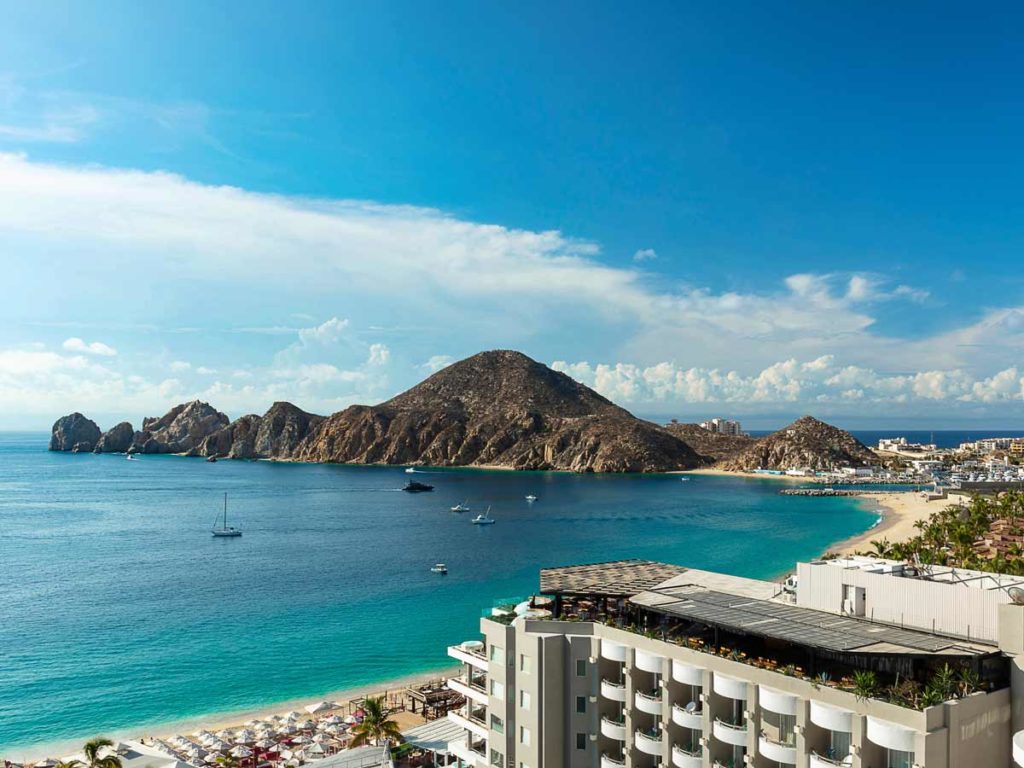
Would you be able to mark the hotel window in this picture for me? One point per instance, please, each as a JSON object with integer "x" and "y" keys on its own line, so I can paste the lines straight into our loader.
{"x": 497, "y": 654}
{"x": 497, "y": 689}
{"x": 497, "y": 759}
{"x": 524, "y": 663}
{"x": 524, "y": 735}
{"x": 524, "y": 699}
{"x": 497, "y": 724}
{"x": 897, "y": 759}
{"x": 581, "y": 704}
{"x": 581, "y": 741}
{"x": 581, "y": 667}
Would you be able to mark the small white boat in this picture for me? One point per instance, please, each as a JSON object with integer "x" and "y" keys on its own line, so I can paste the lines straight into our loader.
{"x": 684, "y": 479}
{"x": 440, "y": 568}
{"x": 225, "y": 531}
{"x": 484, "y": 519}
{"x": 531, "y": 498}
{"x": 463, "y": 507}
{"x": 130, "y": 457}
{"x": 410, "y": 470}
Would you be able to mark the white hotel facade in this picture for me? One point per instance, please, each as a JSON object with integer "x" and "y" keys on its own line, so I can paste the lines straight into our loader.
{"x": 635, "y": 664}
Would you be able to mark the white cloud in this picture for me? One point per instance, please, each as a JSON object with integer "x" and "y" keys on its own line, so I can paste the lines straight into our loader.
{"x": 75, "y": 344}
{"x": 326, "y": 333}
{"x": 379, "y": 354}
{"x": 437, "y": 362}
{"x": 202, "y": 370}
{"x": 180, "y": 365}
{"x": 645, "y": 254}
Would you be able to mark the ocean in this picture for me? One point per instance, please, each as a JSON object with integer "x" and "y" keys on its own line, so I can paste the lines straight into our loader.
{"x": 119, "y": 610}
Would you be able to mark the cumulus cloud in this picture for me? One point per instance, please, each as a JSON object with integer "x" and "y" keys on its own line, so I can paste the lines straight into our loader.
{"x": 437, "y": 362}
{"x": 75, "y": 344}
{"x": 645, "y": 254}
{"x": 325, "y": 333}
{"x": 821, "y": 380}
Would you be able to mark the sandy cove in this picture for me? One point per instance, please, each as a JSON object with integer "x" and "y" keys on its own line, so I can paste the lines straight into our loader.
{"x": 900, "y": 511}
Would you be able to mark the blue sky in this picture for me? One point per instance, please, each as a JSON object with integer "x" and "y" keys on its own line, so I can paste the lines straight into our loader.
{"x": 743, "y": 210}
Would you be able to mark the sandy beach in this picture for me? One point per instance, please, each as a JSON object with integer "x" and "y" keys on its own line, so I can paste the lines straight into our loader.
{"x": 752, "y": 475}
{"x": 899, "y": 511}
{"x": 222, "y": 720}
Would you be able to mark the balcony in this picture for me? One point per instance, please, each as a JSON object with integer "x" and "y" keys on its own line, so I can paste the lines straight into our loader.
{"x": 777, "y": 751}
{"x": 728, "y": 733}
{"x": 613, "y": 691}
{"x": 831, "y": 718}
{"x": 1018, "y": 748}
{"x": 474, "y": 725}
{"x": 776, "y": 701}
{"x": 685, "y": 758}
{"x": 729, "y": 687}
{"x": 688, "y": 718}
{"x": 648, "y": 702}
{"x": 613, "y": 729}
{"x": 889, "y": 735}
{"x": 820, "y": 761}
{"x": 471, "y": 652}
{"x": 649, "y": 662}
{"x": 649, "y": 744}
{"x": 473, "y": 692}
{"x": 607, "y": 761}
{"x": 613, "y": 651}
{"x": 687, "y": 673}
{"x": 467, "y": 754}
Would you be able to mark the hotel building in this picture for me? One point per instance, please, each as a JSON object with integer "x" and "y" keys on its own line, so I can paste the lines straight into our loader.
{"x": 856, "y": 662}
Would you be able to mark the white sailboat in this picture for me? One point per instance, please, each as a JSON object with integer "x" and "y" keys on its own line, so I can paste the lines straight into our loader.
{"x": 484, "y": 519}
{"x": 225, "y": 531}
{"x": 463, "y": 507}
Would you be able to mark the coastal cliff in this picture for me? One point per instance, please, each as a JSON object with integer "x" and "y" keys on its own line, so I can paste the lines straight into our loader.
{"x": 806, "y": 443}
{"x": 496, "y": 408}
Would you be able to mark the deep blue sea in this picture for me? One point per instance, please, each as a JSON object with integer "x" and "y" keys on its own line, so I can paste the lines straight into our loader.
{"x": 119, "y": 610}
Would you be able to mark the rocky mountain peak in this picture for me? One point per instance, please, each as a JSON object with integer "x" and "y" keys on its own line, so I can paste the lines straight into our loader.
{"x": 806, "y": 443}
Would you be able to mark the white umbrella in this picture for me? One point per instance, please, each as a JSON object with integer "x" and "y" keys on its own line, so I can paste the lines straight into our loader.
{"x": 47, "y": 763}
{"x": 306, "y": 725}
{"x": 245, "y": 736}
{"x": 255, "y": 722}
{"x": 332, "y": 720}
{"x": 320, "y": 738}
{"x": 289, "y": 728}
{"x": 241, "y": 751}
{"x": 303, "y": 739}
{"x": 265, "y": 743}
{"x": 314, "y": 750}
{"x": 321, "y": 706}
{"x": 293, "y": 715}
{"x": 225, "y": 734}
{"x": 351, "y": 719}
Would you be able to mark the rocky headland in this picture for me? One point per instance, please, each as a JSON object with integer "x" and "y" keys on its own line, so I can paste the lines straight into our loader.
{"x": 494, "y": 409}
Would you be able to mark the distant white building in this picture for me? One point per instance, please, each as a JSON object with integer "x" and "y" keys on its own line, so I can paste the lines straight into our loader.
{"x": 722, "y": 426}
{"x": 900, "y": 445}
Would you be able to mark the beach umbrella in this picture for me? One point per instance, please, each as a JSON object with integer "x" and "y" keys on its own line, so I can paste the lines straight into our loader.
{"x": 306, "y": 725}
{"x": 255, "y": 722}
{"x": 288, "y": 728}
{"x": 332, "y": 720}
{"x": 47, "y": 763}
{"x": 321, "y": 706}
{"x": 320, "y": 738}
{"x": 314, "y": 750}
{"x": 245, "y": 736}
{"x": 351, "y": 719}
{"x": 265, "y": 743}
{"x": 240, "y": 751}
{"x": 303, "y": 739}
{"x": 225, "y": 734}
{"x": 293, "y": 715}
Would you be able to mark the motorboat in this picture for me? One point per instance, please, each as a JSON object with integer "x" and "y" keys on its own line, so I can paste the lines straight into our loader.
{"x": 225, "y": 531}
{"x": 410, "y": 470}
{"x": 484, "y": 519}
{"x": 531, "y": 498}
{"x": 440, "y": 568}
{"x": 684, "y": 479}
{"x": 463, "y": 507}
{"x": 413, "y": 487}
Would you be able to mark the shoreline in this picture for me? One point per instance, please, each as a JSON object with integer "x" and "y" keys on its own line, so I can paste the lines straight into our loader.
{"x": 898, "y": 512}
{"x": 215, "y": 721}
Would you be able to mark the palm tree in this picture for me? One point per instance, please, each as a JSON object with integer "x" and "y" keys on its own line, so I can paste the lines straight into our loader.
{"x": 93, "y": 758}
{"x": 376, "y": 725}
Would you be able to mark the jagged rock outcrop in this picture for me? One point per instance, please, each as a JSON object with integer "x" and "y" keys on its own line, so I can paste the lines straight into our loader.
{"x": 274, "y": 435}
{"x": 117, "y": 439}
{"x": 711, "y": 446}
{"x": 74, "y": 432}
{"x": 179, "y": 430}
{"x": 498, "y": 408}
{"x": 806, "y": 443}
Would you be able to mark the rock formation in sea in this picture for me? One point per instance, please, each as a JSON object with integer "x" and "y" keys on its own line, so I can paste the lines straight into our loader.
{"x": 274, "y": 435}
{"x": 117, "y": 439}
{"x": 498, "y": 408}
{"x": 711, "y": 446}
{"x": 74, "y": 432}
{"x": 179, "y": 430}
{"x": 806, "y": 443}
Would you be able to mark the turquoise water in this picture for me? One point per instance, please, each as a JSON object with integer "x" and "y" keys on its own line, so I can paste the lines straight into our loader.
{"x": 118, "y": 609}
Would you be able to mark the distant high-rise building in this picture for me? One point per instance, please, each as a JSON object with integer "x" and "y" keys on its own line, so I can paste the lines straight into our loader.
{"x": 723, "y": 426}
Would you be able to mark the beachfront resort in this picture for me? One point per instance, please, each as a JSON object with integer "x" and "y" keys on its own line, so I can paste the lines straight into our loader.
{"x": 859, "y": 662}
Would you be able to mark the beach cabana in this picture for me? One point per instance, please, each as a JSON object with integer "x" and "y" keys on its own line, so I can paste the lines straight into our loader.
{"x": 433, "y": 737}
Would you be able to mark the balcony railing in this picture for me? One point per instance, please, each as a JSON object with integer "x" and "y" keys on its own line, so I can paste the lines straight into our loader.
{"x": 820, "y": 761}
